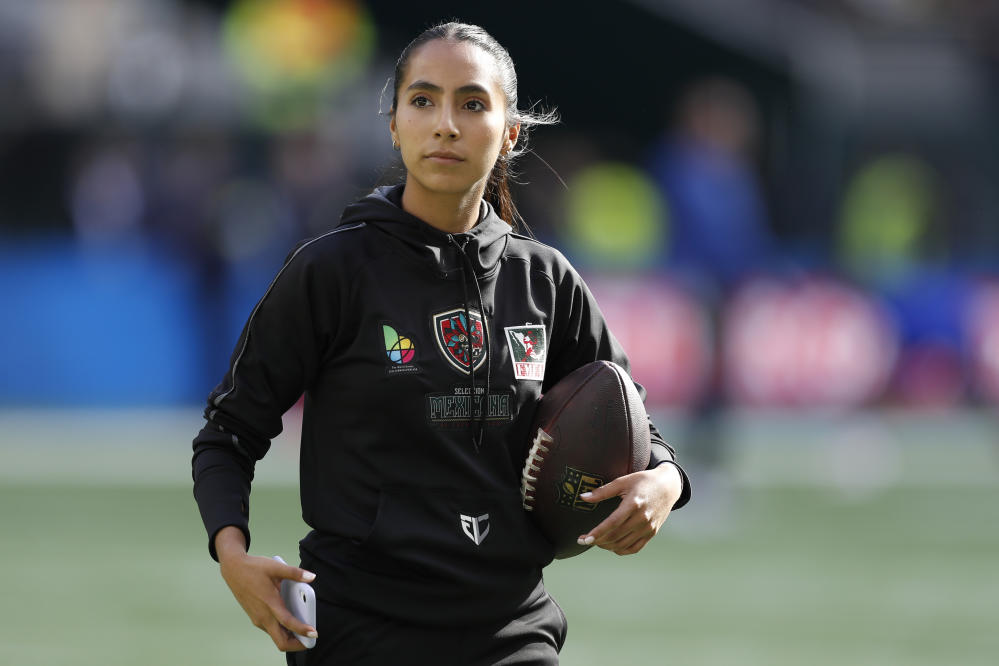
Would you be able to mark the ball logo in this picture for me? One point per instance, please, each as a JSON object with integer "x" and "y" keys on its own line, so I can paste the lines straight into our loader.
{"x": 400, "y": 350}
{"x": 573, "y": 483}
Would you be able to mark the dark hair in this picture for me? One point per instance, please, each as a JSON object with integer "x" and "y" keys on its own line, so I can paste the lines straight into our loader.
{"x": 497, "y": 191}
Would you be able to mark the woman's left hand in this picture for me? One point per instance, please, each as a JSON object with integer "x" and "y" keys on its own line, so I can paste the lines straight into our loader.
{"x": 647, "y": 497}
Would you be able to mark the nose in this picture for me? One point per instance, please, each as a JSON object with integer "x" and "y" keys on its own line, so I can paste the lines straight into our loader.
{"x": 446, "y": 127}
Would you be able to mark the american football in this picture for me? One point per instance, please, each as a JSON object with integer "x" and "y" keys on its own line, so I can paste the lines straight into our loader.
{"x": 589, "y": 429}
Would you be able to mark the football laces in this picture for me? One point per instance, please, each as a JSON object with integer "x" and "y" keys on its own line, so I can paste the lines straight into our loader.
{"x": 529, "y": 477}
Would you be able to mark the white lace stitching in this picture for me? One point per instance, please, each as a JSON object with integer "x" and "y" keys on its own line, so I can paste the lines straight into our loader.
{"x": 535, "y": 458}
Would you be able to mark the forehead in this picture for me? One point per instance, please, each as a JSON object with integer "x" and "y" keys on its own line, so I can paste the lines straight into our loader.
{"x": 452, "y": 65}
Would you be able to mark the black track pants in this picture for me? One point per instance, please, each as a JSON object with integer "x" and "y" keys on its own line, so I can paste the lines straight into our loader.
{"x": 349, "y": 637}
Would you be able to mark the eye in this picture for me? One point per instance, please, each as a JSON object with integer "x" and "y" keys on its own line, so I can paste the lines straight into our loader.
{"x": 420, "y": 101}
{"x": 475, "y": 105}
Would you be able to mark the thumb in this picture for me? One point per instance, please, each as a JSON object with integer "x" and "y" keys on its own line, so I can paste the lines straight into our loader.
{"x": 280, "y": 569}
{"x": 600, "y": 493}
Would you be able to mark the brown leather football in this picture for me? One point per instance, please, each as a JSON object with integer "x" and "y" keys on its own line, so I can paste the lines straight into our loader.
{"x": 590, "y": 428}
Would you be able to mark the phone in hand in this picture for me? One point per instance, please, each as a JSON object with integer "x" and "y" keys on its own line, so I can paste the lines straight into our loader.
{"x": 300, "y": 599}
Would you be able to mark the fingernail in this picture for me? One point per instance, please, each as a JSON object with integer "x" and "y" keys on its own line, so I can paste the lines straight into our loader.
{"x": 312, "y": 634}
{"x": 589, "y": 540}
{"x": 587, "y": 495}
{"x": 308, "y": 576}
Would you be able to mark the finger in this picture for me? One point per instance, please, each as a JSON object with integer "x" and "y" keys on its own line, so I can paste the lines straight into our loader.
{"x": 288, "y": 572}
{"x": 624, "y": 535}
{"x": 606, "y": 491}
{"x": 634, "y": 520}
{"x": 292, "y": 623}
{"x": 283, "y": 639}
{"x": 640, "y": 523}
{"x": 626, "y": 543}
{"x": 611, "y": 522}
{"x": 635, "y": 528}
{"x": 634, "y": 546}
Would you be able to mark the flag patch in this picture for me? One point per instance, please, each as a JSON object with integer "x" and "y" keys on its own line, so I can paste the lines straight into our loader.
{"x": 528, "y": 350}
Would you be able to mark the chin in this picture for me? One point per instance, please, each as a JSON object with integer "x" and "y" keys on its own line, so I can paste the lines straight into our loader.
{"x": 446, "y": 185}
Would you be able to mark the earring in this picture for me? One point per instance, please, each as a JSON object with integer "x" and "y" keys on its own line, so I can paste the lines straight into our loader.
{"x": 395, "y": 145}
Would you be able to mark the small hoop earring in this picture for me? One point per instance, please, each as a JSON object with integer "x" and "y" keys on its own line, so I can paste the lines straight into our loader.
{"x": 395, "y": 145}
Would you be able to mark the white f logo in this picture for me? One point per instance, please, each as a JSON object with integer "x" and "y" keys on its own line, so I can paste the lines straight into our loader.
{"x": 470, "y": 526}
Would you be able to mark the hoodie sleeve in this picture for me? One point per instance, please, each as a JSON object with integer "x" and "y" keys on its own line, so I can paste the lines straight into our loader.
{"x": 580, "y": 335}
{"x": 275, "y": 359}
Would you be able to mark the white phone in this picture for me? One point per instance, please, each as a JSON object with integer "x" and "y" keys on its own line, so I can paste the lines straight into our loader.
{"x": 300, "y": 599}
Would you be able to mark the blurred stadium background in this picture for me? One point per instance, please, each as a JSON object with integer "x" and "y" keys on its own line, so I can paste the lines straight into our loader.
{"x": 786, "y": 208}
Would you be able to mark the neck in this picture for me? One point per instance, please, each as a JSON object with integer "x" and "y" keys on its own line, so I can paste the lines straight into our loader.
{"x": 452, "y": 213}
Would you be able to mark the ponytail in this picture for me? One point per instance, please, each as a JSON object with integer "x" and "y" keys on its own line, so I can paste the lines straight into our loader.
{"x": 498, "y": 194}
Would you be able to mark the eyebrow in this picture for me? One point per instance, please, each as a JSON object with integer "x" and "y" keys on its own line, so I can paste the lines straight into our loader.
{"x": 469, "y": 89}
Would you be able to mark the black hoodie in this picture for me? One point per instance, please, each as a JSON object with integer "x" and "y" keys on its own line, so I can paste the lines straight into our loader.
{"x": 410, "y": 485}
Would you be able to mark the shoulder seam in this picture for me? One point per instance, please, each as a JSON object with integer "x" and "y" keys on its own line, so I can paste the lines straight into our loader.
{"x": 540, "y": 272}
{"x": 514, "y": 234}
{"x": 235, "y": 365}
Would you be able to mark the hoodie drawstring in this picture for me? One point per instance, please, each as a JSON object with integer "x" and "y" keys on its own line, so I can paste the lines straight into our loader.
{"x": 477, "y": 429}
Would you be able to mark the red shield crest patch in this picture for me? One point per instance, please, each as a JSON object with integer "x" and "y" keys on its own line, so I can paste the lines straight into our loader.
{"x": 459, "y": 340}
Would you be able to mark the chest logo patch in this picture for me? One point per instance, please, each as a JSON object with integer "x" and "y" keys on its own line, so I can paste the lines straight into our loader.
{"x": 459, "y": 340}
{"x": 528, "y": 350}
{"x": 400, "y": 350}
{"x": 475, "y": 528}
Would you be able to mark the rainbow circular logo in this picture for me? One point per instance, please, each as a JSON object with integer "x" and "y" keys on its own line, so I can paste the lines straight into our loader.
{"x": 399, "y": 348}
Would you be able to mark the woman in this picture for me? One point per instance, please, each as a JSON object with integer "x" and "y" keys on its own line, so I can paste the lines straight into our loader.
{"x": 395, "y": 325}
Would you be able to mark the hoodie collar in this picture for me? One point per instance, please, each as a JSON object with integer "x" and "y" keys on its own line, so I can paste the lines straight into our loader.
{"x": 484, "y": 243}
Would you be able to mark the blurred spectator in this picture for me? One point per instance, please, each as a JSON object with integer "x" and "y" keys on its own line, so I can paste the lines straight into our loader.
{"x": 890, "y": 208}
{"x": 613, "y": 214}
{"x": 291, "y": 53}
{"x": 718, "y": 229}
{"x": 718, "y": 235}
{"x": 892, "y": 241}
{"x": 107, "y": 198}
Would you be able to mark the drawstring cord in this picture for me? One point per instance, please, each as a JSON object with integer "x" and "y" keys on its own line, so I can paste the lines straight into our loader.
{"x": 479, "y": 428}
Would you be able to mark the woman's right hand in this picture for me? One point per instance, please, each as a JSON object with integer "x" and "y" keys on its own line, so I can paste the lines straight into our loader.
{"x": 256, "y": 584}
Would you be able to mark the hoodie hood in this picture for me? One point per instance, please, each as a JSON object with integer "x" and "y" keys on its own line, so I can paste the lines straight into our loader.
{"x": 483, "y": 245}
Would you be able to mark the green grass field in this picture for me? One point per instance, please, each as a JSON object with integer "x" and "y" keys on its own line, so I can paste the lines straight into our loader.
{"x": 908, "y": 574}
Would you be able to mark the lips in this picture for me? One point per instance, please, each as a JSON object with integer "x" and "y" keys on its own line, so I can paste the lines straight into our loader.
{"x": 445, "y": 157}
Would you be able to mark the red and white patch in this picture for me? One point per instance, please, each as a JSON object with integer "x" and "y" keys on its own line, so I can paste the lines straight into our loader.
{"x": 528, "y": 346}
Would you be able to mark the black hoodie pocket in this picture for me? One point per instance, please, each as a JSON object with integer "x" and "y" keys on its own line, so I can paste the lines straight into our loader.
{"x": 468, "y": 539}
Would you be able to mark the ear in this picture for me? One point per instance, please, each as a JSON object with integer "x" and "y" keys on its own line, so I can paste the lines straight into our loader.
{"x": 392, "y": 130}
{"x": 511, "y": 139}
